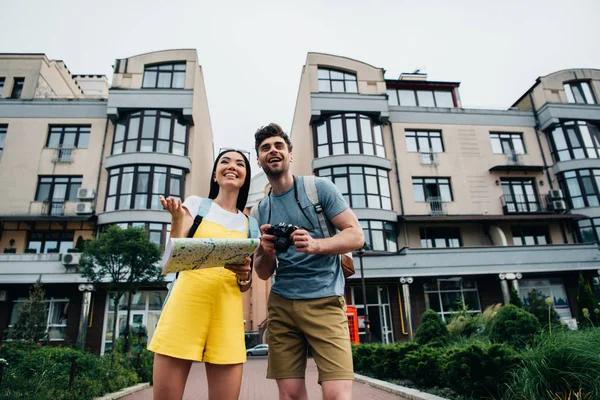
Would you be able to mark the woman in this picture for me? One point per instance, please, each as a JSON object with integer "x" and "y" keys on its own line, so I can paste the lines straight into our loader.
{"x": 202, "y": 319}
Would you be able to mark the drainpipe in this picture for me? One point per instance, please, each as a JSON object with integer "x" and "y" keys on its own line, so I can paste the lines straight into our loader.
{"x": 101, "y": 160}
{"x": 537, "y": 135}
{"x": 398, "y": 182}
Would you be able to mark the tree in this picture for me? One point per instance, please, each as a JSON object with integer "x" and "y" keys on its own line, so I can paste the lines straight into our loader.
{"x": 514, "y": 326}
{"x": 31, "y": 324}
{"x": 124, "y": 260}
{"x": 586, "y": 300}
{"x": 536, "y": 304}
{"x": 432, "y": 329}
{"x": 515, "y": 300}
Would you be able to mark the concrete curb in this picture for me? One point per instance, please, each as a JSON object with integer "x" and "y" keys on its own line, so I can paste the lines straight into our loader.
{"x": 407, "y": 393}
{"x": 124, "y": 392}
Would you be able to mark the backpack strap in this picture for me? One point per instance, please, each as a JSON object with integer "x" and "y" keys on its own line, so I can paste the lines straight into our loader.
{"x": 205, "y": 204}
{"x": 311, "y": 192}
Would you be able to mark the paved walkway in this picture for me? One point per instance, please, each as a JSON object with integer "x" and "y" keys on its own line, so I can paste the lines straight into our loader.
{"x": 256, "y": 387}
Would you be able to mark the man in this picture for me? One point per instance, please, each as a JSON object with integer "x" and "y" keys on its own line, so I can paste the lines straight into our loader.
{"x": 306, "y": 304}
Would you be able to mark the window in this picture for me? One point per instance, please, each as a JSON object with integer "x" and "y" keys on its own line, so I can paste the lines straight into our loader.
{"x": 150, "y": 131}
{"x": 17, "y": 89}
{"x": 589, "y": 230}
{"x": 579, "y": 92}
{"x": 164, "y": 76}
{"x": 2, "y": 80}
{"x": 157, "y": 233}
{"x": 138, "y": 187}
{"x": 69, "y": 137}
{"x": 553, "y": 288}
{"x": 58, "y": 188}
{"x": 446, "y": 296}
{"x": 572, "y": 140}
{"x": 57, "y": 317}
{"x": 3, "y": 130}
{"x": 519, "y": 196}
{"x": 424, "y": 141}
{"x": 431, "y": 189}
{"x": 50, "y": 241}
{"x": 440, "y": 237}
{"x": 507, "y": 143}
{"x": 581, "y": 187}
{"x": 380, "y": 235}
{"x": 420, "y": 98}
{"x": 362, "y": 187}
{"x": 331, "y": 80}
{"x": 348, "y": 134}
{"x": 530, "y": 235}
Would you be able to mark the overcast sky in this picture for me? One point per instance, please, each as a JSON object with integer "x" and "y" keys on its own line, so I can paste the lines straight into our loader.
{"x": 252, "y": 52}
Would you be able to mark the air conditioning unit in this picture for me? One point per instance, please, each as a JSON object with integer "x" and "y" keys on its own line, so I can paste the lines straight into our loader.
{"x": 559, "y": 205}
{"x": 555, "y": 194}
{"x": 83, "y": 208}
{"x": 70, "y": 258}
{"x": 85, "y": 194}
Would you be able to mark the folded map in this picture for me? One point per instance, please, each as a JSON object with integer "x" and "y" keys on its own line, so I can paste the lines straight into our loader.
{"x": 182, "y": 254}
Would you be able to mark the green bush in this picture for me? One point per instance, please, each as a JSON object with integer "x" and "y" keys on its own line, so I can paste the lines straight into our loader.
{"x": 515, "y": 299}
{"x": 363, "y": 362}
{"x": 432, "y": 330}
{"x": 536, "y": 304}
{"x": 423, "y": 366}
{"x": 586, "y": 301}
{"x": 513, "y": 326}
{"x": 477, "y": 369}
{"x": 385, "y": 359}
{"x": 557, "y": 365}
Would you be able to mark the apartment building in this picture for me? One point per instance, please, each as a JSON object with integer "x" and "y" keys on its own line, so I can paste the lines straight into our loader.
{"x": 78, "y": 155}
{"x": 457, "y": 204}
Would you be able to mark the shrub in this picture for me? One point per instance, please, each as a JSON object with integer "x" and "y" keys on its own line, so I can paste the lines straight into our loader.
{"x": 536, "y": 304}
{"x": 363, "y": 362}
{"x": 515, "y": 300}
{"x": 586, "y": 300}
{"x": 31, "y": 323}
{"x": 432, "y": 330}
{"x": 477, "y": 369}
{"x": 387, "y": 357}
{"x": 423, "y": 366}
{"x": 513, "y": 326}
{"x": 558, "y": 365}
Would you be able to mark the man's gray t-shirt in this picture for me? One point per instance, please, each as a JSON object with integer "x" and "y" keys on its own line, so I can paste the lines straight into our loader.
{"x": 301, "y": 275}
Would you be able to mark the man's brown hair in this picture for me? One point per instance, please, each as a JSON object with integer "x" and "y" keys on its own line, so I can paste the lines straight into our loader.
{"x": 265, "y": 132}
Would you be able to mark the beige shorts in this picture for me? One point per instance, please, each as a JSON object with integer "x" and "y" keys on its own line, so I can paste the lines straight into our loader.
{"x": 322, "y": 323}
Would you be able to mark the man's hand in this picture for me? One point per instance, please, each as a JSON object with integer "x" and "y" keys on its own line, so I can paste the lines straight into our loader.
{"x": 241, "y": 270}
{"x": 304, "y": 242}
{"x": 267, "y": 242}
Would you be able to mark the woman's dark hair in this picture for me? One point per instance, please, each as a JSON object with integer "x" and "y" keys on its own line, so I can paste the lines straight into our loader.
{"x": 265, "y": 132}
{"x": 243, "y": 195}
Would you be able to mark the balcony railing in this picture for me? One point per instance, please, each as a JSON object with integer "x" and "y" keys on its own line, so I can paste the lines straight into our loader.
{"x": 53, "y": 208}
{"x": 513, "y": 158}
{"x": 64, "y": 154}
{"x": 524, "y": 204}
{"x": 437, "y": 206}
{"x": 428, "y": 157}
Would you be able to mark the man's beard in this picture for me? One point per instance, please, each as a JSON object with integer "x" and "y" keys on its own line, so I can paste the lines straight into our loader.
{"x": 276, "y": 173}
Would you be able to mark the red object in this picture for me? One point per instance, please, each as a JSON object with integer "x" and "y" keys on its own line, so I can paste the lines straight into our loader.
{"x": 353, "y": 324}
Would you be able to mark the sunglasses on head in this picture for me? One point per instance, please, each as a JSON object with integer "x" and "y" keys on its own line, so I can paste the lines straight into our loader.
{"x": 244, "y": 152}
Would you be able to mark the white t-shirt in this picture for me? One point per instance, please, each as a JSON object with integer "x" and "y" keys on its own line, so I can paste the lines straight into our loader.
{"x": 228, "y": 220}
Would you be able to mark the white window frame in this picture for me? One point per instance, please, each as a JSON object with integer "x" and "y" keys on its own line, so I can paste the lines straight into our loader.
{"x": 443, "y": 313}
{"x": 51, "y": 304}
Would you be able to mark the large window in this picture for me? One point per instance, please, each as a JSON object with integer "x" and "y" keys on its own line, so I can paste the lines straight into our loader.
{"x": 589, "y": 230}
{"x": 424, "y": 141}
{"x": 530, "y": 235}
{"x": 138, "y": 187}
{"x": 17, "y": 89}
{"x": 348, "y": 134}
{"x": 50, "y": 241}
{"x": 331, "y": 80}
{"x": 581, "y": 187}
{"x": 507, "y": 143}
{"x": 432, "y": 189}
{"x": 520, "y": 196}
{"x": 574, "y": 140}
{"x": 3, "y": 130}
{"x": 420, "y": 98}
{"x": 56, "y": 322}
{"x": 58, "y": 188}
{"x": 164, "y": 76}
{"x": 579, "y": 92}
{"x": 150, "y": 131}
{"x": 69, "y": 137}
{"x": 380, "y": 235}
{"x": 157, "y": 233}
{"x": 440, "y": 237}
{"x": 446, "y": 296}
{"x": 552, "y": 288}
{"x": 362, "y": 187}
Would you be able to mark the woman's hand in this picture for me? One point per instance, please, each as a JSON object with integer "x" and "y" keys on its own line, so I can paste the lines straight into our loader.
{"x": 173, "y": 206}
{"x": 241, "y": 270}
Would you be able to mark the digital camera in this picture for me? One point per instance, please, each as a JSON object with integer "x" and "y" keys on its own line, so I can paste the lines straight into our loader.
{"x": 282, "y": 234}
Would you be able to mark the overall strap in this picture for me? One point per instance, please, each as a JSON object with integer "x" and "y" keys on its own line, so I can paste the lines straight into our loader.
{"x": 311, "y": 192}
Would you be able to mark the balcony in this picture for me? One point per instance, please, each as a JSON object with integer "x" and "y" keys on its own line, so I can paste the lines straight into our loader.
{"x": 55, "y": 207}
{"x": 514, "y": 162}
{"x": 428, "y": 157}
{"x": 525, "y": 204}
{"x": 64, "y": 154}
{"x": 437, "y": 207}
{"x": 459, "y": 261}
{"x": 27, "y": 268}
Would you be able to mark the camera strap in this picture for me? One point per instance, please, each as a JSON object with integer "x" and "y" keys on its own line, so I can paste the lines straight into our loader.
{"x": 297, "y": 202}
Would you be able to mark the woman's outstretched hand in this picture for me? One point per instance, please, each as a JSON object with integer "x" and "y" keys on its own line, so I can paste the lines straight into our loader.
{"x": 173, "y": 206}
